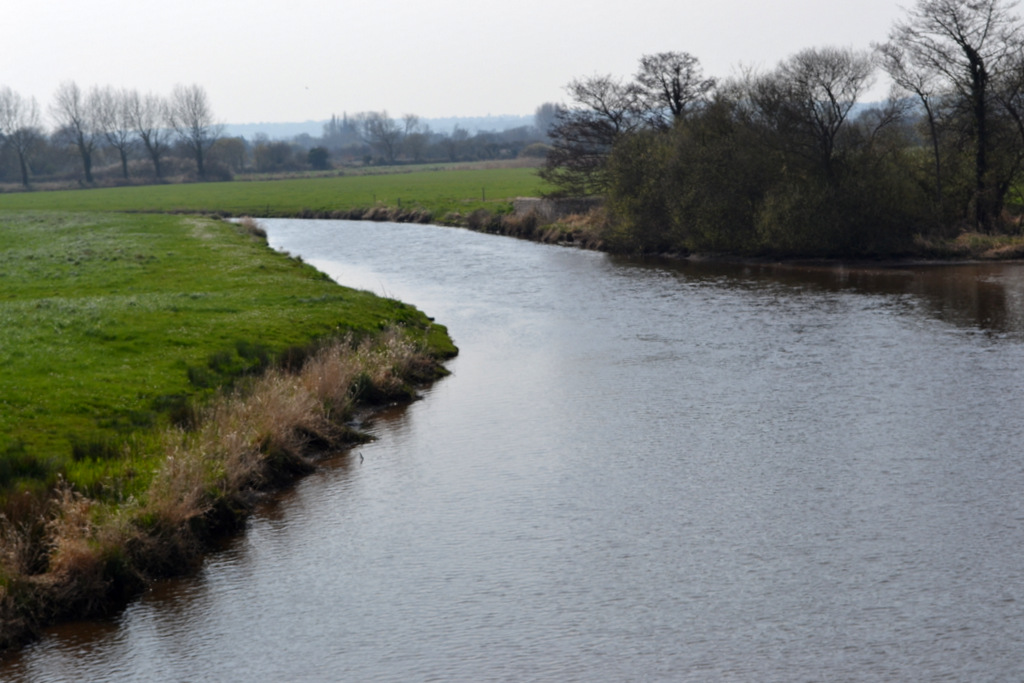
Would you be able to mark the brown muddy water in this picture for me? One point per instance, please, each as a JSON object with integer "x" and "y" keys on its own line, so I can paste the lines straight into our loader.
{"x": 637, "y": 471}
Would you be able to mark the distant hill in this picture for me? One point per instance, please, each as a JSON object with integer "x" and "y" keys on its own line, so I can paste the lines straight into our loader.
{"x": 286, "y": 131}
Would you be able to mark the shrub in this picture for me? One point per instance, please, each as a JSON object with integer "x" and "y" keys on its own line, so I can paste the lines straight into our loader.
{"x": 319, "y": 158}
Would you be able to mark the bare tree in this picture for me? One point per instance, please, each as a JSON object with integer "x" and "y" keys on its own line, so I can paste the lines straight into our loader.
{"x": 148, "y": 117}
{"x": 412, "y": 123}
{"x": 827, "y": 83}
{"x": 923, "y": 83}
{"x": 75, "y": 115}
{"x": 807, "y": 100}
{"x": 545, "y": 115}
{"x": 191, "y": 117}
{"x": 670, "y": 84}
{"x": 968, "y": 45}
{"x": 19, "y": 126}
{"x": 114, "y": 121}
{"x": 415, "y": 137}
{"x": 455, "y": 143}
{"x": 1011, "y": 94}
{"x": 583, "y": 135}
{"x": 382, "y": 132}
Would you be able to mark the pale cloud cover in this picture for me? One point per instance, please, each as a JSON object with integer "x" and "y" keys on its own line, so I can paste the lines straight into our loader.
{"x": 299, "y": 60}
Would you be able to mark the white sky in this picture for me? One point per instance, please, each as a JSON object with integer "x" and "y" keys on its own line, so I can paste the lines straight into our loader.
{"x": 272, "y": 61}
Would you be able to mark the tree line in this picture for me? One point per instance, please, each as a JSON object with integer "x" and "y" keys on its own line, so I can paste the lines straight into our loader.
{"x": 374, "y": 137}
{"x": 791, "y": 160}
{"x": 129, "y": 136}
{"x": 107, "y": 119}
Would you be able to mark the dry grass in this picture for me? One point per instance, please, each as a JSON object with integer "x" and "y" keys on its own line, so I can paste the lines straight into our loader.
{"x": 583, "y": 230}
{"x": 250, "y": 226}
{"x": 268, "y": 430}
{"x": 76, "y": 555}
{"x": 973, "y": 245}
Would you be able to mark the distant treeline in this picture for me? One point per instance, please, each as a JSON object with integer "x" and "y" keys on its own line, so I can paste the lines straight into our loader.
{"x": 787, "y": 162}
{"x": 109, "y": 135}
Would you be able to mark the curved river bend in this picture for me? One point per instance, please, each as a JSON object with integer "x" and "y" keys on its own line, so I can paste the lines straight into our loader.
{"x": 637, "y": 471}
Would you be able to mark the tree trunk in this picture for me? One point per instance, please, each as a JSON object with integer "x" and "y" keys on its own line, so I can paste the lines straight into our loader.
{"x": 86, "y": 163}
{"x": 24, "y": 168}
{"x": 982, "y": 199}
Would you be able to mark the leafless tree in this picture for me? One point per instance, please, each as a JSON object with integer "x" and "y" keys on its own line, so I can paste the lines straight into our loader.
{"x": 827, "y": 83}
{"x": 545, "y": 115}
{"x": 113, "y": 120}
{"x": 148, "y": 119}
{"x": 670, "y": 84}
{"x": 75, "y": 114}
{"x": 455, "y": 143}
{"x": 412, "y": 123}
{"x": 925, "y": 86}
{"x": 1011, "y": 98}
{"x": 415, "y": 136}
{"x": 969, "y": 46}
{"x": 19, "y": 126}
{"x": 191, "y": 117}
{"x": 604, "y": 109}
{"x": 806, "y": 102}
{"x": 382, "y": 132}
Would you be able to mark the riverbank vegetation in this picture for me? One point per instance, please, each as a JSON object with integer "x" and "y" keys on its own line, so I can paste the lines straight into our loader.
{"x": 791, "y": 162}
{"x": 161, "y": 371}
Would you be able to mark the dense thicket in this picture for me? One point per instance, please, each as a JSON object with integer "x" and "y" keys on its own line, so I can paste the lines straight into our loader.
{"x": 791, "y": 161}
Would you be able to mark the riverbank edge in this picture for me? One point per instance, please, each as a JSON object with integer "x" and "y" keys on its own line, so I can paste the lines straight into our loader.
{"x": 586, "y": 230}
{"x": 103, "y": 558}
{"x": 236, "y": 448}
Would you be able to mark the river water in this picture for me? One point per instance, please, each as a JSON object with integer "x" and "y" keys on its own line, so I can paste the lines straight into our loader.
{"x": 637, "y": 471}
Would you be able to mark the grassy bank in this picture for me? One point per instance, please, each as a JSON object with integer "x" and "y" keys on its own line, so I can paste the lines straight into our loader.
{"x": 430, "y": 195}
{"x": 159, "y": 370}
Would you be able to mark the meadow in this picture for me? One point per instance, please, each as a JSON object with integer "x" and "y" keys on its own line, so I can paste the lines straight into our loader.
{"x": 437, "y": 192}
{"x": 110, "y": 322}
{"x": 158, "y": 370}
{"x": 116, "y": 313}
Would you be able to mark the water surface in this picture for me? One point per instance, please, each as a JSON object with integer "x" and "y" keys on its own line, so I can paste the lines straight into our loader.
{"x": 637, "y": 471}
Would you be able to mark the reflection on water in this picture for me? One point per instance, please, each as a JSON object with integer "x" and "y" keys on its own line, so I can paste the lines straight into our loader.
{"x": 638, "y": 470}
{"x": 987, "y": 297}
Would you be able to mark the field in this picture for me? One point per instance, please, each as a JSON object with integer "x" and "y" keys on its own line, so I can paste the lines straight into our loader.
{"x": 108, "y": 323}
{"x": 115, "y": 314}
{"x": 438, "y": 192}
{"x": 158, "y": 372}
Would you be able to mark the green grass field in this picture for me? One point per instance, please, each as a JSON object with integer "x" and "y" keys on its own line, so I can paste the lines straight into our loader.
{"x": 439, "y": 192}
{"x": 108, "y": 322}
{"x": 114, "y": 313}
{"x": 121, "y": 321}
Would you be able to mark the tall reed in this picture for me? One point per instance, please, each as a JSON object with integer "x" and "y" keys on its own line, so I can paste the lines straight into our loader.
{"x": 75, "y": 556}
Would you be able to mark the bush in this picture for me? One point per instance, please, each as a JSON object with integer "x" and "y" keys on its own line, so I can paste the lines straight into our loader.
{"x": 319, "y": 158}
{"x": 537, "y": 150}
{"x": 638, "y": 194}
{"x": 716, "y": 182}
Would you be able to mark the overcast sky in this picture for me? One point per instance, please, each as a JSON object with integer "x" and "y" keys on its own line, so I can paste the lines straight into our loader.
{"x": 299, "y": 60}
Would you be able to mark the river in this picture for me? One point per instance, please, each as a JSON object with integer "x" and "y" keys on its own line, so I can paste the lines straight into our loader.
{"x": 637, "y": 471}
